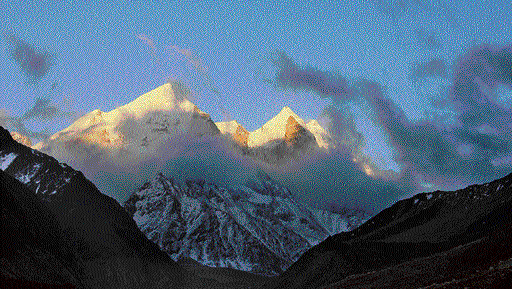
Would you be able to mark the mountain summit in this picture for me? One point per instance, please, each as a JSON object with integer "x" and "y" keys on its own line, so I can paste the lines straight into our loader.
{"x": 283, "y": 137}
{"x": 159, "y": 114}
{"x": 274, "y": 128}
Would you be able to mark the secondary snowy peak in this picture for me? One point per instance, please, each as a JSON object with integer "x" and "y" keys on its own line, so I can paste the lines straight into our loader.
{"x": 274, "y": 128}
{"x": 323, "y": 138}
{"x": 295, "y": 135}
{"x": 291, "y": 128}
{"x": 236, "y": 130}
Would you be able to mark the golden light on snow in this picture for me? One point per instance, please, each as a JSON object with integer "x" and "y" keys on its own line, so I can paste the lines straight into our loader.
{"x": 275, "y": 129}
{"x": 367, "y": 169}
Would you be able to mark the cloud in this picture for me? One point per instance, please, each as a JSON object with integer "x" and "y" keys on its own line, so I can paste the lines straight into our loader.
{"x": 4, "y": 117}
{"x": 432, "y": 68}
{"x": 396, "y": 8}
{"x": 291, "y": 76}
{"x": 322, "y": 178}
{"x": 426, "y": 150}
{"x": 212, "y": 158}
{"x": 202, "y": 69}
{"x": 43, "y": 111}
{"x": 178, "y": 154}
{"x": 429, "y": 40}
{"x": 478, "y": 73}
{"x": 35, "y": 64}
{"x": 429, "y": 152}
{"x": 149, "y": 42}
{"x": 193, "y": 59}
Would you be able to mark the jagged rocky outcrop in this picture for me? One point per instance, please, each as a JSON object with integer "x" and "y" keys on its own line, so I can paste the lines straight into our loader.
{"x": 451, "y": 238}
{"x": 239, "y": 134}
{"x": 295, "y": 135}
{"x": 260, "y": 228}
{"x": 57, "y": 228}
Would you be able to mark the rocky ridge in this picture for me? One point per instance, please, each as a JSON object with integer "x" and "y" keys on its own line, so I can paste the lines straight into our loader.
{"x": 431, "y": 240}
{"x": 65, "y": 231}
{"x": 259, "y": 228}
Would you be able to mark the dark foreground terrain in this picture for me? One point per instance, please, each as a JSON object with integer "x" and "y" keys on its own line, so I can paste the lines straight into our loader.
{"x": 433, "y": 240}
{"x": 58, "y": 231}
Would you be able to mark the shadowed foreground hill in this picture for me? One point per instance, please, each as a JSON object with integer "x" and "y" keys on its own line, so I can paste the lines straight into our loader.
{"x": 32, "y": 244}
{"x": 432, "y": 240}
{"x": 57, "y": 228}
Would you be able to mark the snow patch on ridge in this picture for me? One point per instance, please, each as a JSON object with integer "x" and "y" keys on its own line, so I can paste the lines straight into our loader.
{"x": 26, "y": 177}
{"x": 231, "y": 227}
{"x": 6, "y": 160}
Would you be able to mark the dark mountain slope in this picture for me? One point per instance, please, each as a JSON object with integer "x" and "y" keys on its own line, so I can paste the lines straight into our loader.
{"x": 484, "y": 263}
{"x": 420, "y": 226}
{"x": 61, "y": 229}
{"x": 33, "y": 245}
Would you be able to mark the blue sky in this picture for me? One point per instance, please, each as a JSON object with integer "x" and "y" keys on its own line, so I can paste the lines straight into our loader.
{"x": 100, "y": 63}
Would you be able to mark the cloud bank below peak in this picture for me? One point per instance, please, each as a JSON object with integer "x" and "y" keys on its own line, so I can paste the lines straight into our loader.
{"x": 430, "y": 152}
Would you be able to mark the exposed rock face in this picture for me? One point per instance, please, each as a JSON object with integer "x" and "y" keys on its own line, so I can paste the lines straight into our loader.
{"x": 24, "y": 140}
{"x": 418, "y": 242}
{"x": 259, "y": 228}
{"x": 275, "y": 129}
{"x": 241, "y": 136}
{"x": 284, "y": 137}
{"x": 296, "y": 136}
{"x": 58, "y": 228}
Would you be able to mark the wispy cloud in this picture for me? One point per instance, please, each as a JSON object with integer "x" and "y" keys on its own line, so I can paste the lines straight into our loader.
{"x": 197, "y": 62}
{"x": 427, "y": 151}
{"x": 35, "y": 63}
{"x": 398, "y": 8}
{"x": 432, "y": 68}
{"x": 178, "y": 153}
{"x": 429, "y": 40}
{"x": 150, "y": 43}
{"x": 326, "y": 84}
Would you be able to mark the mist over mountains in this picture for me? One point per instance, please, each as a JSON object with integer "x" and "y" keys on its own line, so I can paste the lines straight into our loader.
{"x": 73, "y": 235}
{"x": 162, "y": 131}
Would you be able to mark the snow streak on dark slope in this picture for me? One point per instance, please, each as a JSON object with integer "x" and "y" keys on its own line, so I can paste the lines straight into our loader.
{"x": 65, "y": 230}
{"x": 259, "y": 228}
{"x": 426, "y": 224}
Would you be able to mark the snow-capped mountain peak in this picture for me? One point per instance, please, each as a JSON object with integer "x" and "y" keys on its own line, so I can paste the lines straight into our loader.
{"x": 274, "y": 129}
{"x": 236, "y": 130}
{"x": 323, "y": 138}
{"x": 170, "y": 96}
{"x": 159, "y": 114}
